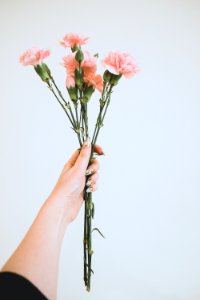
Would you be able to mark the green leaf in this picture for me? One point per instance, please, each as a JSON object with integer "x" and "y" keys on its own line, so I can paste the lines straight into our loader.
{"x": 97, "y": 229}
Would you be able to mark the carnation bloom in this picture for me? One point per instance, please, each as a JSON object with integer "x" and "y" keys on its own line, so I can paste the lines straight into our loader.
{"x": 89, "y": 69}
{"x": 70, "y": 65}
{"x": 72, "y": 39}
{"x": 89, "y": 63}
{"x": 33, "y": 56}
{"x": 95, "y": 80}
{"x": 120, "y": 63}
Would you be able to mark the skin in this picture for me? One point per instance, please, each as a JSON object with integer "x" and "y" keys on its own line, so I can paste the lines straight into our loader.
{"x": 37, "y": 256}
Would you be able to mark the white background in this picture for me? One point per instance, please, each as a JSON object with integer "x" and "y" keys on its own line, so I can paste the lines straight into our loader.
{"x": 147, "y": 204}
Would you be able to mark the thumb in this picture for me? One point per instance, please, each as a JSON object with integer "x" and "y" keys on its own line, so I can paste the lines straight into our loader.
{"x": 71, "y": 161}
{"x": 84, "y": 156}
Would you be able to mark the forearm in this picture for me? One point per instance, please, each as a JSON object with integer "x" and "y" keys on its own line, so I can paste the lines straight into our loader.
{"x": 37, "y": 256}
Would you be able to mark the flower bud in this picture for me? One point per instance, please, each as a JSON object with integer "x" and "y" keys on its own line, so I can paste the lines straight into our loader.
{"x": 79, "y": 77}
{"x": 43, "y": 71}
{"x": 79, "y": 56}
{"x": 87, "y": 95}
{"x": 73, "y": 93}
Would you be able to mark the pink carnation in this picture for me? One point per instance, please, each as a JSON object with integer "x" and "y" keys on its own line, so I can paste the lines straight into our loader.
{"x": 72, "y": 39}
{"x": 70, "y": 81}
{"x": 89, "y": 63}
{"x": 33, "y": 56}
{"x": 120, "y": 63}
{"x": 89, "y": 68}
{"x": 70, "y": 65}
{"x": 95, "y": 80}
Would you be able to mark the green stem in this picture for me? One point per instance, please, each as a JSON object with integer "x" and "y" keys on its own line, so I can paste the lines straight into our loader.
{"x": 85, "y": 119}
{"x": 64, "y": 108}
{"x": 85, "y": 243}
{"x": 69, "y": 107}
{"x": 107, "y": 104}
{"x": 81, "y": 126}
{"x": 87, "y": 217}
{"x": 59, "y": 92}
{"x": 105, "y": 101}
{"x": 102, "y": 104}
{"x": 77, "y": 118}
{"x": 75, "y": 125}
{"x": 79, "y": 139}
{"x": 88, "y": 200}
{"x": 89, "y": 234}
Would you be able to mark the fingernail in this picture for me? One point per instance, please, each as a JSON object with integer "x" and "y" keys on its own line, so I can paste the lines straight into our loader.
{"x": 88, "y": 182}
{"x": 88, "y": 172}
{"x": 102, "y": 153}
{"x": 89, "y": 190}
{"x": 87, "y": 142}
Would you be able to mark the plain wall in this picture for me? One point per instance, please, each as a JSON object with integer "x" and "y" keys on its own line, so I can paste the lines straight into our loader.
{"x": 147, "y": 204}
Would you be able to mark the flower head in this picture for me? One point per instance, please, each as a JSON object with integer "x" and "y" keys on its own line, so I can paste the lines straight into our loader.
{"x": 71, "y": 40}
{"x": 34, "y": 56}
{"x": 120, "y": 63}
{"x": 94, "y": 80}
{"x": 89, "y": 68}
{"x": 89, "y": 63}
{"x": 70, "y": 64}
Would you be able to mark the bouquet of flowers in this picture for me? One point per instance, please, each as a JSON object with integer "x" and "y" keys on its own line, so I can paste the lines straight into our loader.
{"x": 81, "y": 82}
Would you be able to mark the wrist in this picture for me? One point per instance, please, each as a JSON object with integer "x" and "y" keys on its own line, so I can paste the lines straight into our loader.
{"x": 58, "y": 209}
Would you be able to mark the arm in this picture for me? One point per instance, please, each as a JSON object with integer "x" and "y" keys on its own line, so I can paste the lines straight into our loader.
{"x": 37, "y": 256}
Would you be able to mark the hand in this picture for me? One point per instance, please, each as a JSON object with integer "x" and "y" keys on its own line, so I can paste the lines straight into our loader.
{"x": 68, "y": 190}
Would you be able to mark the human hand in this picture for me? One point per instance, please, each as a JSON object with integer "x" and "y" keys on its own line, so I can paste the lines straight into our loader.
{"x": 68, "y": 191}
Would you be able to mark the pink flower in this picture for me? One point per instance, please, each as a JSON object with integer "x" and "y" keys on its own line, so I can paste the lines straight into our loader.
{"x": 89, "y": 63}
{"x": 70, "y": 81}
{"x": 89, "y": 69}
{"x": 95, "y": 80}
{"x": 120, "y": 63}
{"x": 70, "y": 65}
{"x": 72, "y": 39}
{"x": 33, "y": 56}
